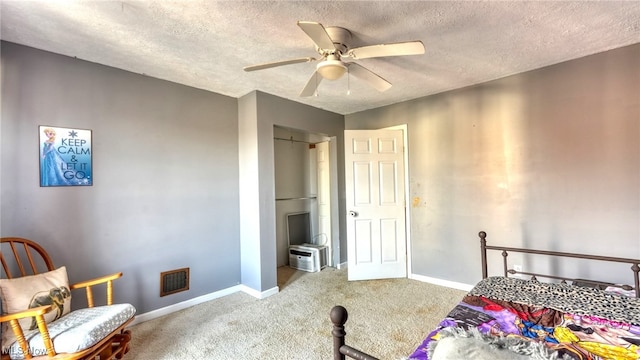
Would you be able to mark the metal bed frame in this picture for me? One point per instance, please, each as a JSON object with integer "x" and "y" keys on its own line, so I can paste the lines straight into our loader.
{"x": 635, "y": 263}
{"x": 339, "y": 314}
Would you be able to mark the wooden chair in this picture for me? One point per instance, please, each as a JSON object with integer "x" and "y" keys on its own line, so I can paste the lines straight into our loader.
{"x": 29, "y": 258}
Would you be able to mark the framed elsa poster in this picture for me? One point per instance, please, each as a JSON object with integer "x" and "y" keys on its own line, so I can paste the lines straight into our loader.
{"x": 65, "y": 157}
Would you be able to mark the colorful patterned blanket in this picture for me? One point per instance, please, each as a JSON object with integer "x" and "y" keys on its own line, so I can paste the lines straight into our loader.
{"x": 572, "y": 322}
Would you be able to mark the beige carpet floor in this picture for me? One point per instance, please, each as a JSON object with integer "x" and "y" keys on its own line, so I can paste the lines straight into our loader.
{"x": 387, "y": 318}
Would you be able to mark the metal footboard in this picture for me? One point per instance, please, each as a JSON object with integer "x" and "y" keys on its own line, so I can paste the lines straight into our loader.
{"x": 339, "y": 317}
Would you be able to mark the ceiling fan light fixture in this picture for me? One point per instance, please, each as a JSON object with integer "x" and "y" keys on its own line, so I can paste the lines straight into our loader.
{"x": 331, "y": 69}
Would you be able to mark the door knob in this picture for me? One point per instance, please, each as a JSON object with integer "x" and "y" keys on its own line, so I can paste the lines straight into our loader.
{"x": 353, "y": 213}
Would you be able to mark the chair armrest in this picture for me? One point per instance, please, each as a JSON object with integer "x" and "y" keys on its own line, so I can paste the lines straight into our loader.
{"x": 40, "y": 310}
{"x": 96, "y": 281}
{"x": 108, "y": 279}
{"x": 38, "y": 313}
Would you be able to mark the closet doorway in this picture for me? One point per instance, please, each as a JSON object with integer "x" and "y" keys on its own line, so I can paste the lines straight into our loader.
{"x": 302, "y": 164}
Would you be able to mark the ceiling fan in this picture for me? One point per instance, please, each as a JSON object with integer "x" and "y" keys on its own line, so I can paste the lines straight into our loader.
{"x": 332, "y": 43}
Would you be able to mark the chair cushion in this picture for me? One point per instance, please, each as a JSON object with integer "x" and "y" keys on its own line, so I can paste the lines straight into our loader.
{"x": 18, "y": 294}
{"x": 77, "y": 331}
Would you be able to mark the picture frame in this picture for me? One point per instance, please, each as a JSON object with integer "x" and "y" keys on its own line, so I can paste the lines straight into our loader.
{"x": 66, "y": 156}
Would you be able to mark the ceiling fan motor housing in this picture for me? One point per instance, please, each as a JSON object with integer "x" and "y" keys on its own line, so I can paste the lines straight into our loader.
{"x": 341, "y": 38}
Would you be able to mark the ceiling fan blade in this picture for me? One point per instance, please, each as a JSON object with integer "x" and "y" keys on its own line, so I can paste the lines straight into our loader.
{"x": 369, "y": 77}
{"x": 318, "y": 34}
{"x": 312, "y": 85}
{"x": 395, "y": 49}
{"x": 278, "y": 63}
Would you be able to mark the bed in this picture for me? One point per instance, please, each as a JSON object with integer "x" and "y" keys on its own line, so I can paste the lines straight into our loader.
{"x": 511, "y": 317}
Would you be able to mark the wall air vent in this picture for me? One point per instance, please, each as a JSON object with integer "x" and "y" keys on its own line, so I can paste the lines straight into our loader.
{"x": 174, "y": 281}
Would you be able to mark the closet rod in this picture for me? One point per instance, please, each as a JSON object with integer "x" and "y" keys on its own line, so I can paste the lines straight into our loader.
{"x": 293, "y": 140}
{"x": 298, "y": 198}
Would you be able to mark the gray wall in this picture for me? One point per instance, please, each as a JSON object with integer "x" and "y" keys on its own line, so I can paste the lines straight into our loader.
{"x": 184, "y": 177}
{"x": 165, "y": 160}
{"x": 547, "y": 159}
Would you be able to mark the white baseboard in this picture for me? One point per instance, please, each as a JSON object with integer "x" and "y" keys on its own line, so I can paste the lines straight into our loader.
{"x": 447, "y": 283}
{"x": 201, "y": 299}
{"x": 342, "y": 266}
{"x": 257, "y": 294}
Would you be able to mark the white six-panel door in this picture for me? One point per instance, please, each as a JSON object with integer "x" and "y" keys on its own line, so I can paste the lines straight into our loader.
{"x": 374, "y": 177}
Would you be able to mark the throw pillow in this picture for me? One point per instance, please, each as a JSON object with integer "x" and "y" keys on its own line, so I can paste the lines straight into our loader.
{"x": 18, "y": 294}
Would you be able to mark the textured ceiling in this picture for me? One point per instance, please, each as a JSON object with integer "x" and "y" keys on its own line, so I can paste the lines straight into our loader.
{"x": 205, "y": 44}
